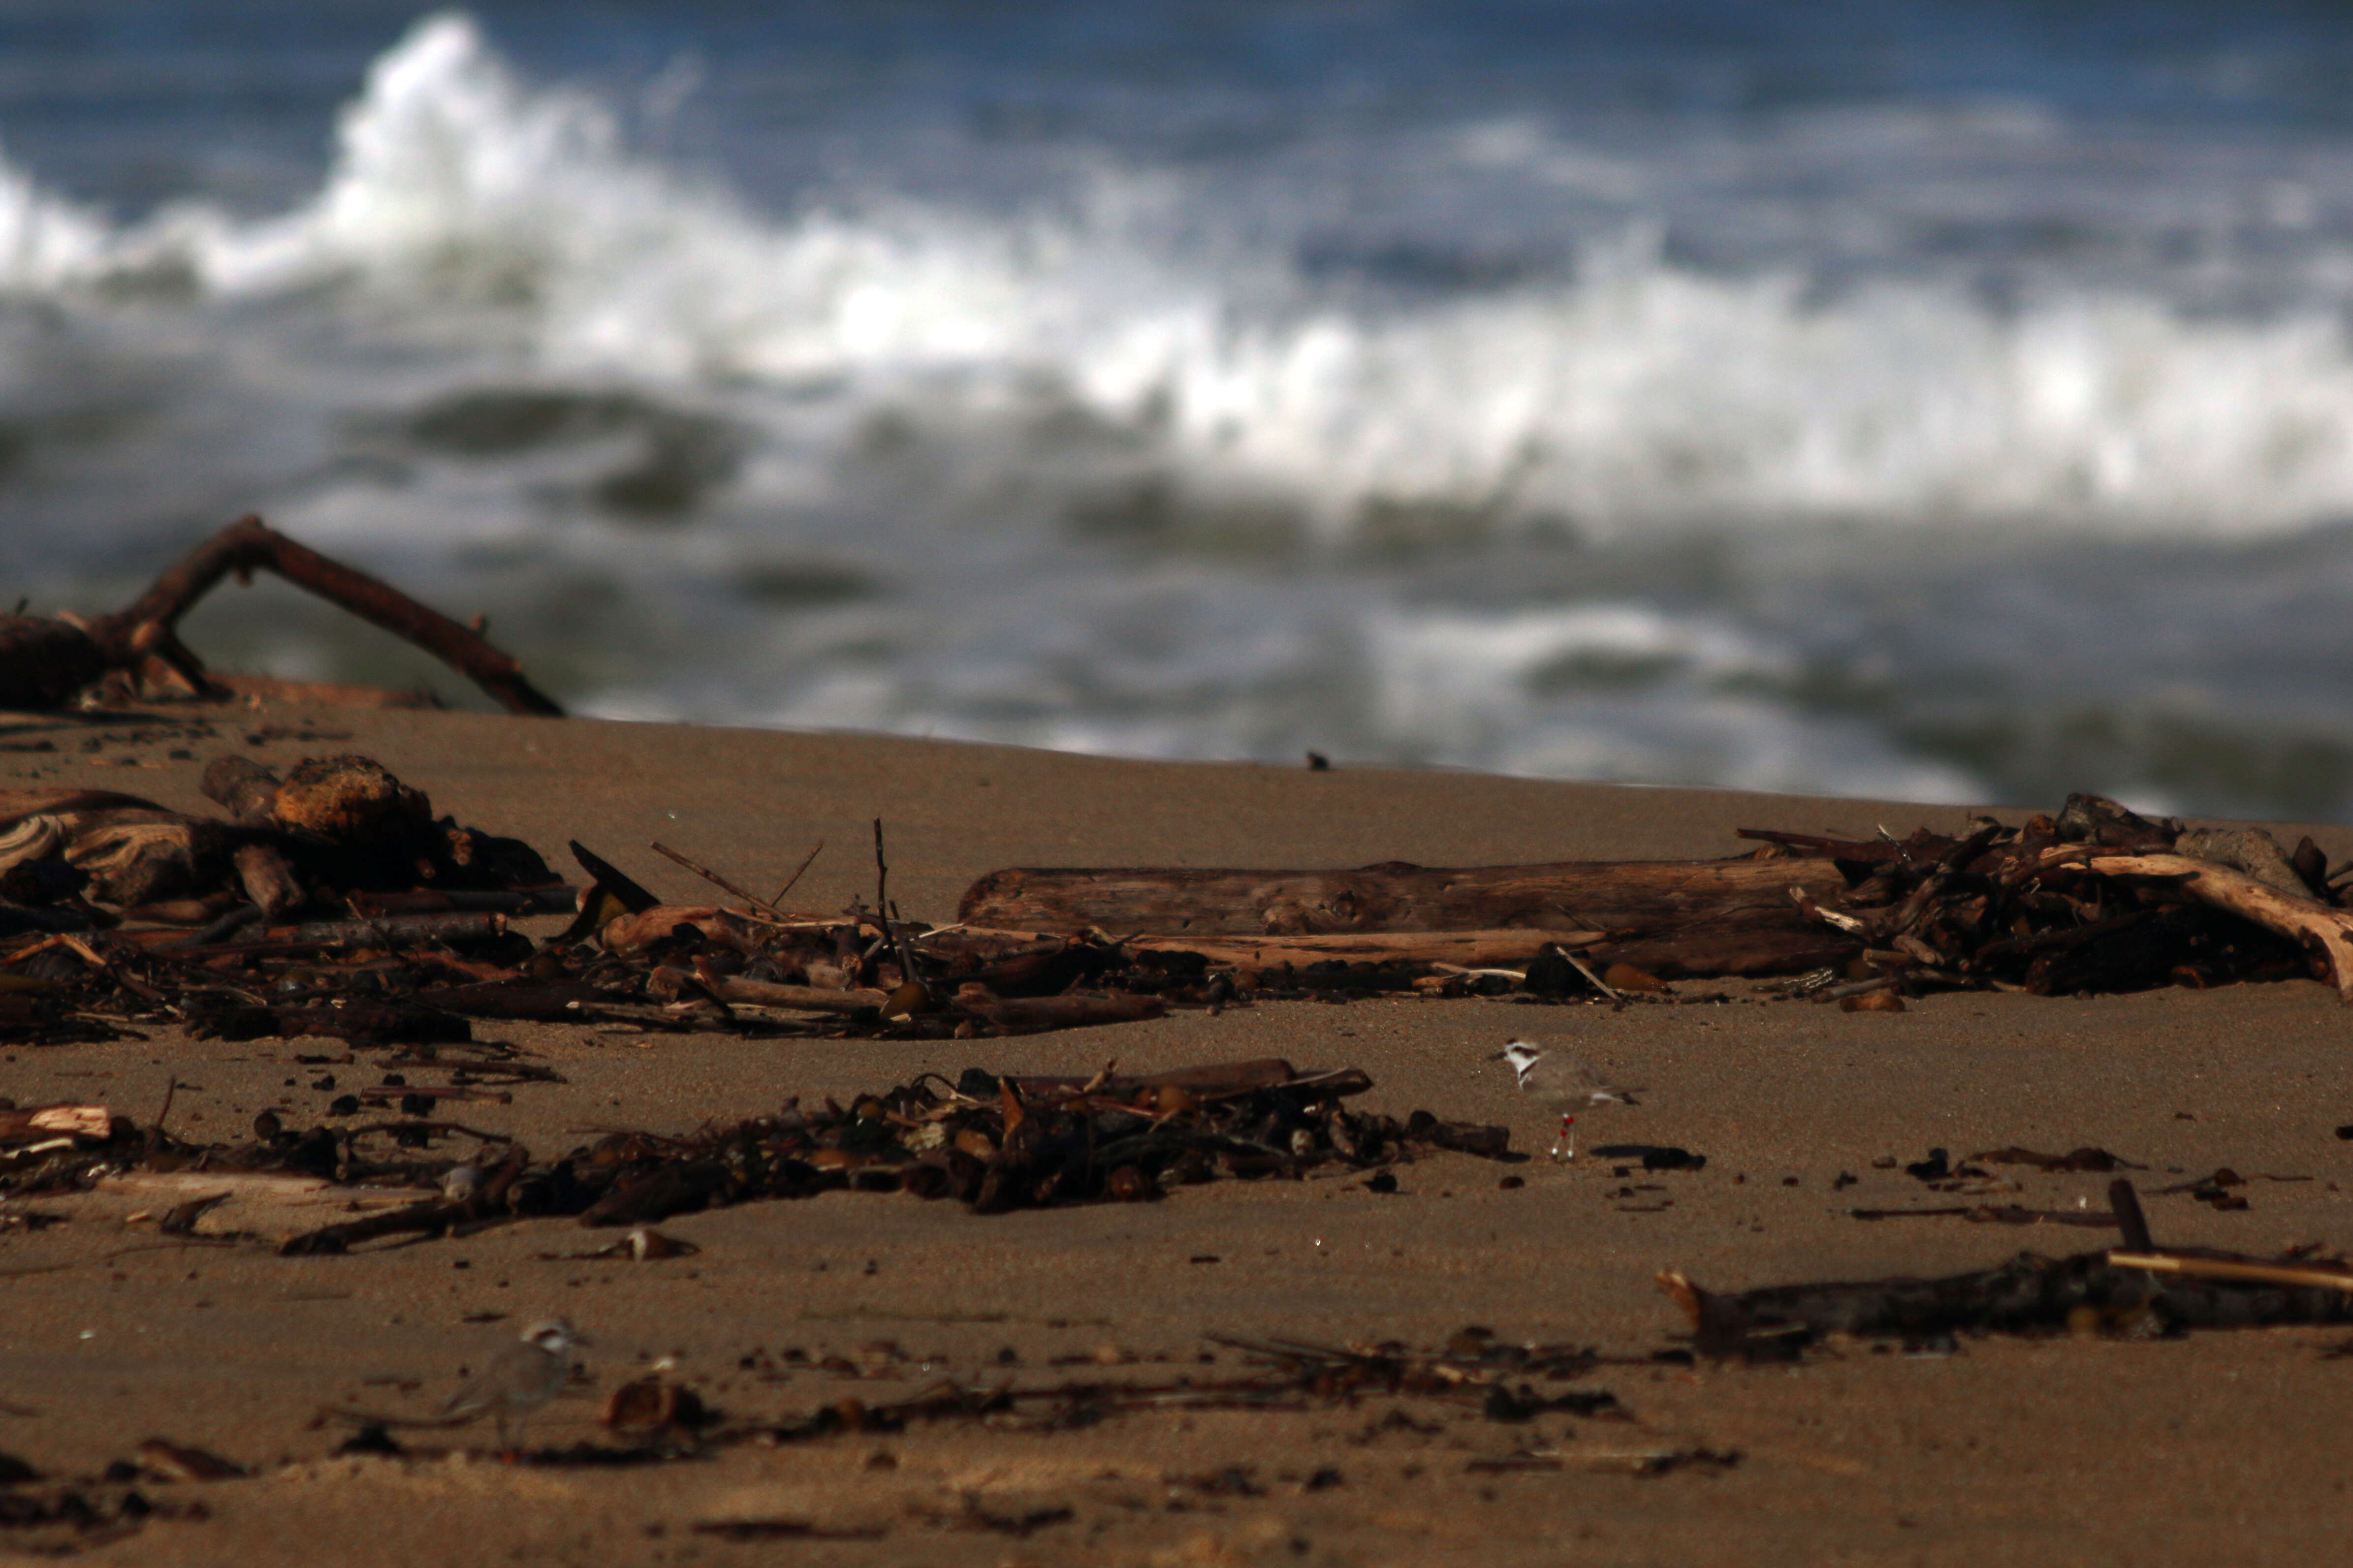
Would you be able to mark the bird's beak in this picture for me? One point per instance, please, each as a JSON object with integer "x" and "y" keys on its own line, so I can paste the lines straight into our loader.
{"x": 1495, "y": 1055}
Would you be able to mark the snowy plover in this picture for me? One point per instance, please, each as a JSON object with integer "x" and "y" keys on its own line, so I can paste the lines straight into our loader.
{"x": 1562, "y": 1083}
{"x": 519, "y": 1379}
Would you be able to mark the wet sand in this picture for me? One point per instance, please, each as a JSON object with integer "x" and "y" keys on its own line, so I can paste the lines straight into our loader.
{"x": 2215, "y": 1449}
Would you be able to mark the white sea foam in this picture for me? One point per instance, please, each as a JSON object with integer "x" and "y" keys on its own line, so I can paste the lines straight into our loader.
{"x": 1632, "y": 393}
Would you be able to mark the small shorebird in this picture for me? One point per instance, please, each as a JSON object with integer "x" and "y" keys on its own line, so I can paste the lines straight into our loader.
{"x": 519, "y": 1379}
{"x": 1564, "y": 1084}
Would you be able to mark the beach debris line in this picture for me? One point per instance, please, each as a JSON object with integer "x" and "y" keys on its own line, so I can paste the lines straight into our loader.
{"x": 1475, "y": 1375}
{"x": 136, "y": 655}
{"x": 331, "y": 902}
{"x": 2136, "y": 1290}
{"x": 992, "y": 1143}
{"x": 2096, "y": 897}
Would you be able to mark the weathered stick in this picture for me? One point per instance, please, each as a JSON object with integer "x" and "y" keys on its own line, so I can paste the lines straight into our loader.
{"x": 44, "y": 662}
{"x": 803, "y": 998}
{"x": 716, "y": 879}
{"x": 1627, "y": 895}
{"x": 2327, "y": 931}
{"x": 401, "y": 930}
{"x": 1471, "y": 949}
{"x": 488, "y": 1200}
{"x": 2189, "y": 1265}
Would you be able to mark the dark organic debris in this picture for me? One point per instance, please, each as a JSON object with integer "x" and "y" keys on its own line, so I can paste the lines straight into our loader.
{"x": 747, "y": 1530}
{"x": 2084, "y": 1159}
{"x": 1648, "y": 1461}
{"x": 372, "y": 1440}
{"x": 1474, "y": 1371}
{"x": 1654, "y": 1156}
{"x": 654, "y": 1405}
{"x": 54, "y": 1520}
{"x": 2137, "y": 1291}
{"x": 992, "y": 1143}
{"x": 1997, "y": 1214}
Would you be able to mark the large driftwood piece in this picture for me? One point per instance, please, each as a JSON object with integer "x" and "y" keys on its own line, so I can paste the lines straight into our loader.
{"x": 44, "y": 662}
{"x": 2326, "y": 930}
{"x": 1625, "y": 896}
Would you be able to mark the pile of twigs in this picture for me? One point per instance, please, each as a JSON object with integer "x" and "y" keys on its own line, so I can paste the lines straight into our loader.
{"x": 2098, "y": 898}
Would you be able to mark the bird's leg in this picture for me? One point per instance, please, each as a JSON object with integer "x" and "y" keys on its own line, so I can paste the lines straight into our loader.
{"x": 1567, "y": 1148}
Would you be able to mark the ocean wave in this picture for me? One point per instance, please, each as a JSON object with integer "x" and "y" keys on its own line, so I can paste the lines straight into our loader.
{"x": 1629, "y": 393}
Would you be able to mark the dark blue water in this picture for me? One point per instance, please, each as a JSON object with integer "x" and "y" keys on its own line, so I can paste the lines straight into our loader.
{"x": 1945, "y": 399}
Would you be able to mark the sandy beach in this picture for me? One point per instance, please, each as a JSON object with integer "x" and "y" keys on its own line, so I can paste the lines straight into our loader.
{"x": 2213, "y": 1448}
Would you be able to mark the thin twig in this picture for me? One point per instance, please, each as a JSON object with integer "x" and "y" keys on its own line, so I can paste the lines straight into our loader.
{"x": 796, "y": 877}
{"x": 893, "y": 930}
{"x": 1586, "y": 970}
{"x": 2125, "y": 1203}
{"x": 716, "y": 879}
{"x": 2245, "y": 1270}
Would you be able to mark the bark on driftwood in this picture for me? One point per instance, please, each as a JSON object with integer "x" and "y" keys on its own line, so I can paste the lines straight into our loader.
{"x": 1627, "y": 896}
{"x": 43, "y": 663}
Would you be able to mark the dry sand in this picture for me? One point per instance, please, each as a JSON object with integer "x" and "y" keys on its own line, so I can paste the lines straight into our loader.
{"x": 2217, "y": 1448}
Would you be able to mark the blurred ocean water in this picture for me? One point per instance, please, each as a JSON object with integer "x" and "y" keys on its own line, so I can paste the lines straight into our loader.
{"x": 1949, "y": 400}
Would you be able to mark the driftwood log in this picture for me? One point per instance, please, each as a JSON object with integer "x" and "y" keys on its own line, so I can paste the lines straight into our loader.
{"x": 45, "y": 662}
{"x": 1624, "y": 897}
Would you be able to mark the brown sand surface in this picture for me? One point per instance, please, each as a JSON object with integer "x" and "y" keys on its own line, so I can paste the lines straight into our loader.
{"x": 2220, "y": 1447}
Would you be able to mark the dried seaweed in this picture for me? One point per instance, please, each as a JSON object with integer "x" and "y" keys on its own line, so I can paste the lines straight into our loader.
{"x": 992, "y": 1143}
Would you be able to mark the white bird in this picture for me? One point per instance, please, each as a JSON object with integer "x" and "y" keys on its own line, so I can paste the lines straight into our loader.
{"x": 519, "y": 1379}
{"x": 1564, "y": 1084}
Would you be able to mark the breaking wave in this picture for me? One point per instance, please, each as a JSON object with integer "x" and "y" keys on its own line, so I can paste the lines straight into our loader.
{"x": 1622, "y": 392}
